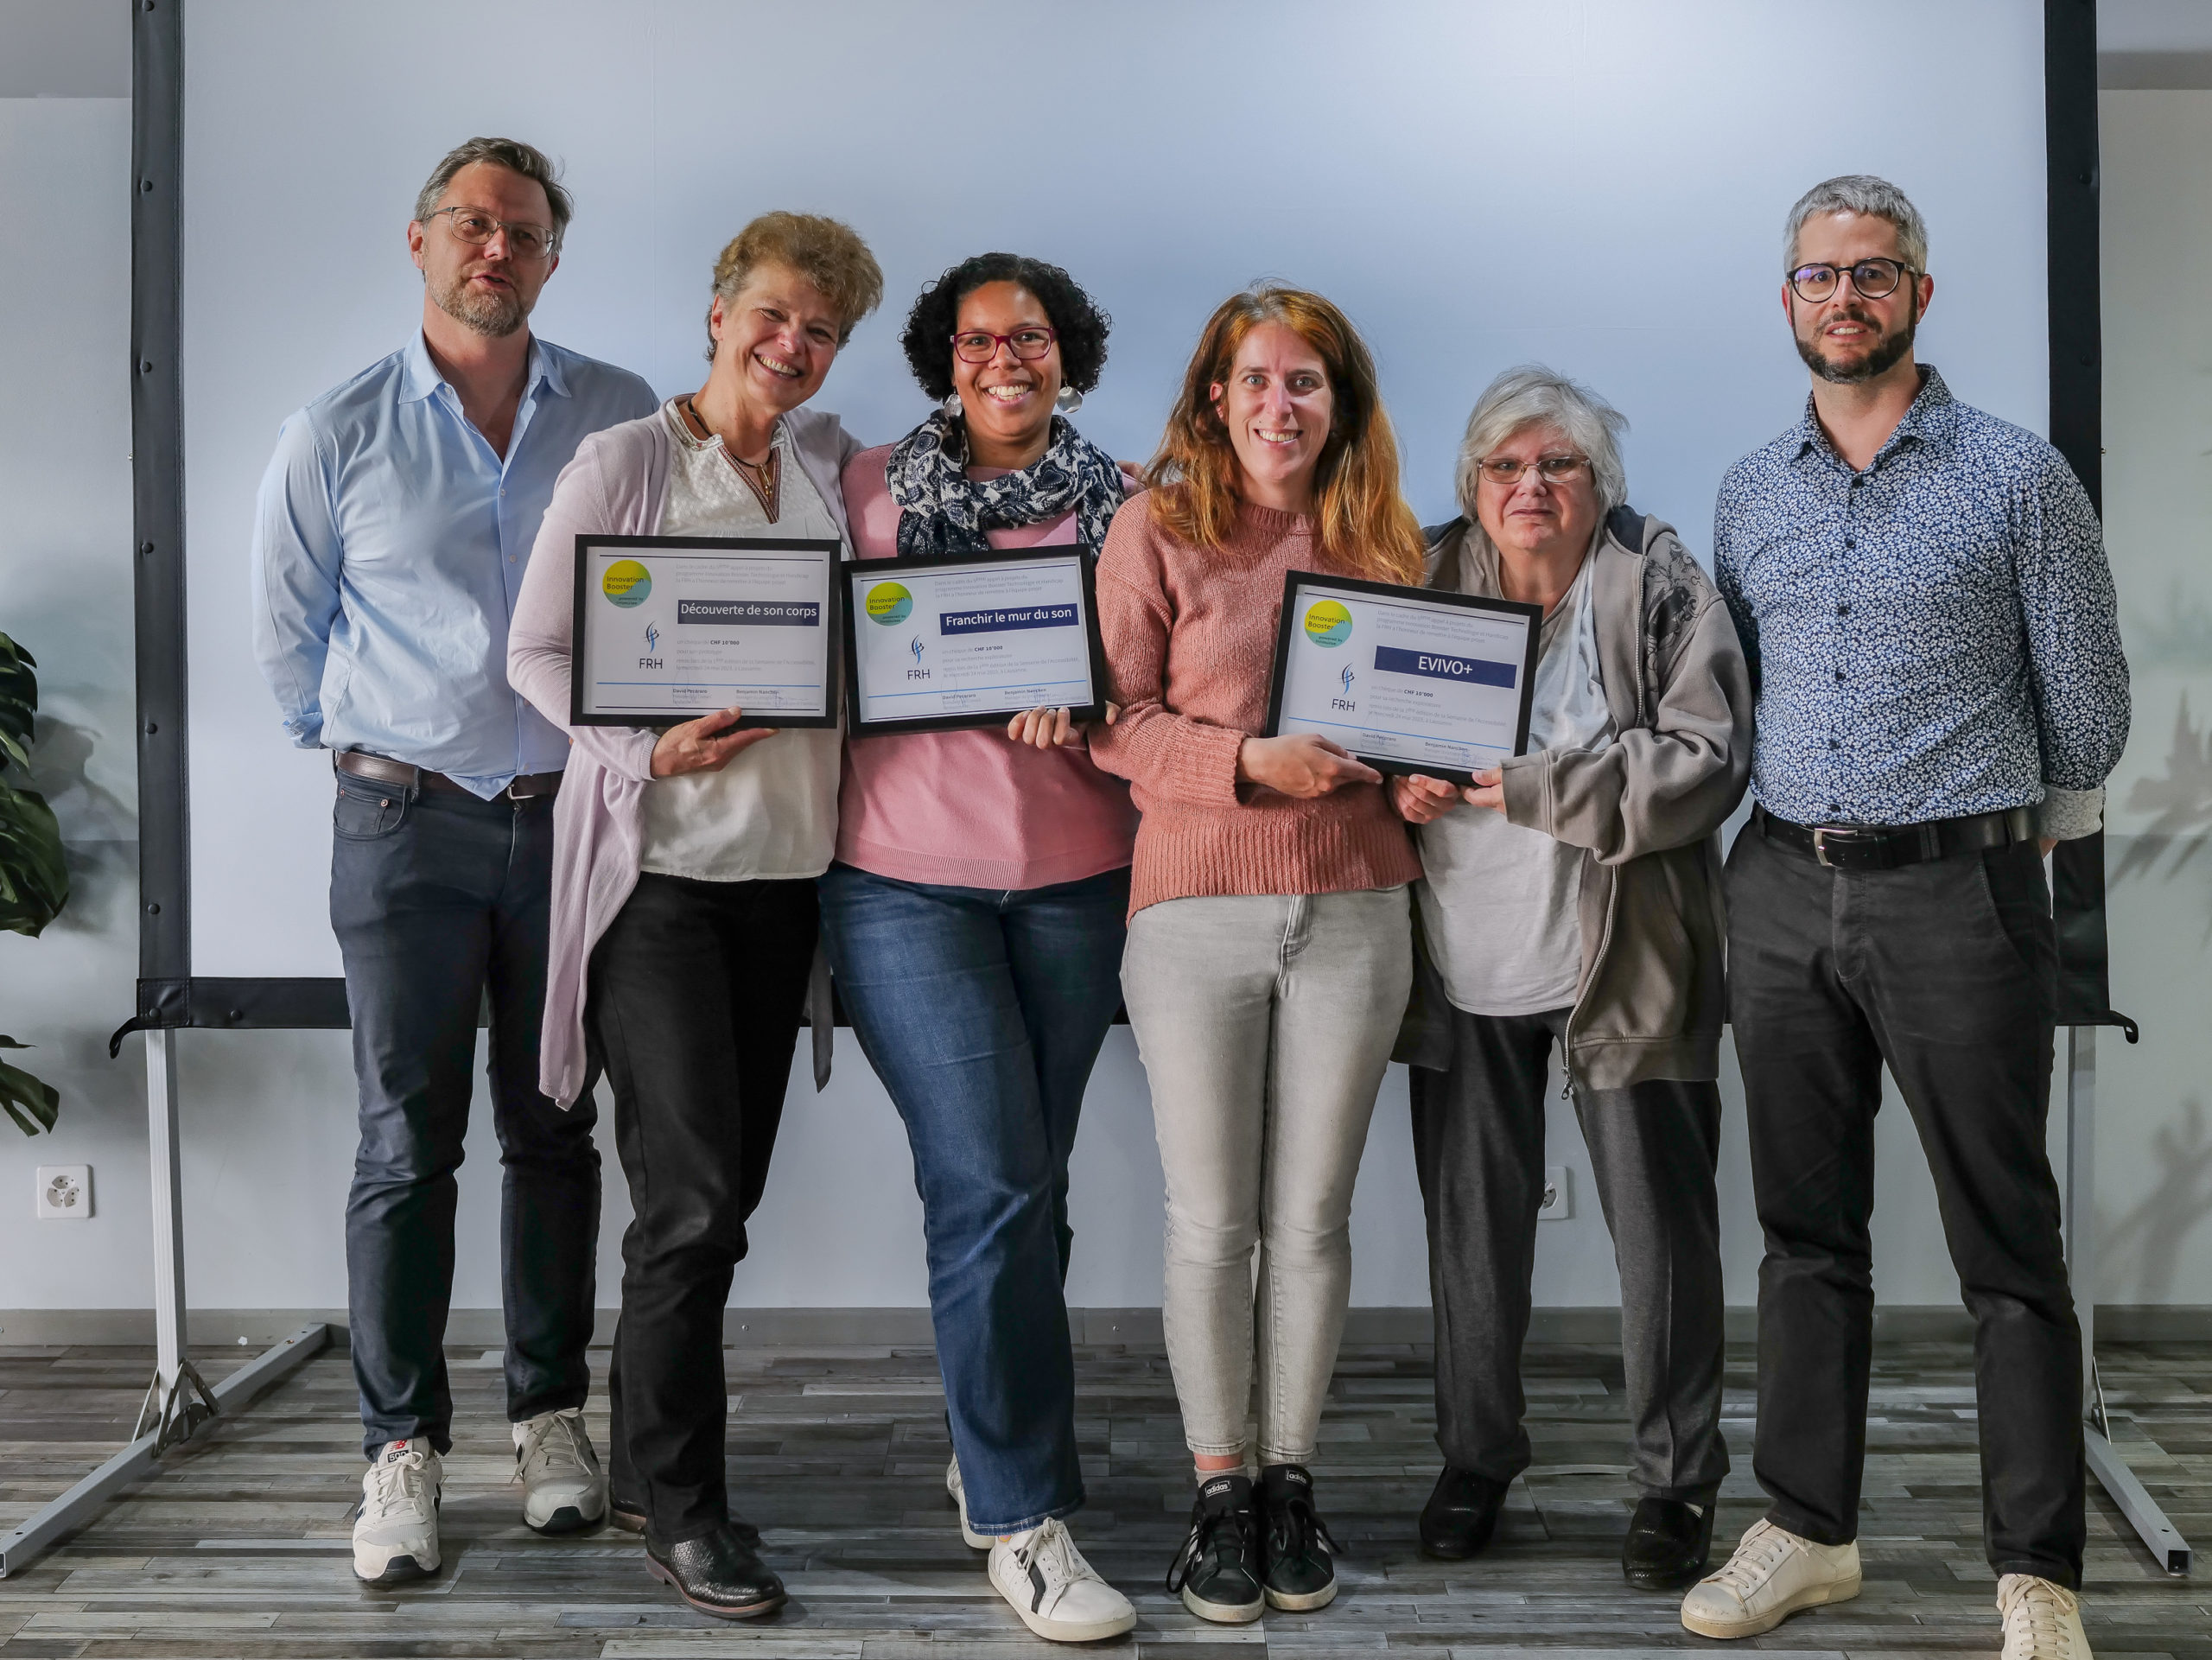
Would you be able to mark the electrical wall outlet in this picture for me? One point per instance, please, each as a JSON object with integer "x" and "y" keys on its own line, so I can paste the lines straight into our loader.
{"x": 1559, "y": 1195}
{"x": 65, "y": 1192}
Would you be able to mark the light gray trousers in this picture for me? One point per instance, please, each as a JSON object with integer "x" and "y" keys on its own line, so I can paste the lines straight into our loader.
{"x": 1265, "y": 1023}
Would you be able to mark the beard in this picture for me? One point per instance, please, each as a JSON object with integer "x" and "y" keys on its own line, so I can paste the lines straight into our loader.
{"x": 494, "y": 314}
{"x": 1889, "y": 350}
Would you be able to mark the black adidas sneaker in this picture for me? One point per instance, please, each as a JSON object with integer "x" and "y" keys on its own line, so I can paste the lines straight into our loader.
{"x": 1297, "y": 1556}
{"x": 1217, "y": 1570}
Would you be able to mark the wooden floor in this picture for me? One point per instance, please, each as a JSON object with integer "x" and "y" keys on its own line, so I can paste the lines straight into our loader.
{"x": 239, "y": 1546}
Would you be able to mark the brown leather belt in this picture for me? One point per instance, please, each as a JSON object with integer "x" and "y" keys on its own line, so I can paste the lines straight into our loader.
{"x": 1881, "y": 847}
{"x": 528, "y": 787}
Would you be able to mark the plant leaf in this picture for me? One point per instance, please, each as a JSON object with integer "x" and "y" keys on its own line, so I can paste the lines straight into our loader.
{"x": 32, "y": 1103}
{"x": 34, "y": 879}
{"x": 18, "y": 696}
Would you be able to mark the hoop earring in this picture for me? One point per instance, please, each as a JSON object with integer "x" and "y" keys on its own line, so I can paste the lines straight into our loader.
{"x": 1067, "y": 400}
{"x": 951, "y": 405}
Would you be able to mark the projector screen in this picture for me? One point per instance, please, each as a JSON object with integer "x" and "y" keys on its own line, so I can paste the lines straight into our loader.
{"x": 1598, "y": 185}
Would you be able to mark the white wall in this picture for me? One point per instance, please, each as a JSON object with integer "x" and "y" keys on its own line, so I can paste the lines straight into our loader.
{"x": 268, "y": 1115}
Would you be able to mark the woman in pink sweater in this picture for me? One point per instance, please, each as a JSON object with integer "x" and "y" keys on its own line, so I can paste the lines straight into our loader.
{"x": 975, "y": 913}
{"x": 1269, "y": 954}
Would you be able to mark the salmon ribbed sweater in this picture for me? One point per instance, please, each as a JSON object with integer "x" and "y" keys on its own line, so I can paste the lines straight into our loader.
{"x": 1189, "y": 636}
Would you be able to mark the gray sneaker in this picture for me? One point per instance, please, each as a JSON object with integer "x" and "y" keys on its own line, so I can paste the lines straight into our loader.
{"x": 396, "y": 1532}
{"x": 563, "y": 1490}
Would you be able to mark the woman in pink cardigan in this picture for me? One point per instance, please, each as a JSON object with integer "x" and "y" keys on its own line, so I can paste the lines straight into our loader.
{"x": 974, "y": 917}
{"x": 684, "y": 862}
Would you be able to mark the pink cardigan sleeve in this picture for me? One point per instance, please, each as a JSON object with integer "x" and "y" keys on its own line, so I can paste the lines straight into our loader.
{"x": 538, "y": 638}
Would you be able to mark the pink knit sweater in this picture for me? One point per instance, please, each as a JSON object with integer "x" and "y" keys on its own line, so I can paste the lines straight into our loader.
{"x": 1189, "y": 642}
{"x": 970, "y": 809}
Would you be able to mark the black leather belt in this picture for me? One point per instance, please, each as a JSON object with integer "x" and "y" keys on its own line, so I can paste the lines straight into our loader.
{"x": 529, "y": 786}
{"x": 1881, "y": 847}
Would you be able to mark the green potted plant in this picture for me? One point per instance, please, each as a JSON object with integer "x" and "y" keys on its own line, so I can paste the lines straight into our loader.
{"x": 34, "y": 880}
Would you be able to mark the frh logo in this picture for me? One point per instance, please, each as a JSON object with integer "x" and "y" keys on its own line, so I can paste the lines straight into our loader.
{"x": 1346, "y": 702}
{"x": 917, "y": 672}
{"x": 651, "y": 660}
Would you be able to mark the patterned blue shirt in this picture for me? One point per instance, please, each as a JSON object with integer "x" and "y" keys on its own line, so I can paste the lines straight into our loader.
{"x": 1931, "y": 637}
{"x": 389, "y": 543}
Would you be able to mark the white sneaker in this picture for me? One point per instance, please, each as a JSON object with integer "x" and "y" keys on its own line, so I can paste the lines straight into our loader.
{"x": 563, "y": 1489}
{"x": 2042, "y": 1621}
{"x": 1056, "y": 1593}
{"x": 976, "y": 1541}
{"x": 1772, "y": 1575}
{"x": 395, "y": 1534}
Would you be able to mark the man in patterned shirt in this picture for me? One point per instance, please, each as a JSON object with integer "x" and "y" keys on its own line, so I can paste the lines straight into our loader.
{"x": 1921, "y": 592}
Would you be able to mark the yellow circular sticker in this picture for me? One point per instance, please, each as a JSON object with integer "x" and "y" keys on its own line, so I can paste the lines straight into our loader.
{"x": 1327, "y": 623}
{"x": 626, "y": 583}
{"x": 889, "y": 603}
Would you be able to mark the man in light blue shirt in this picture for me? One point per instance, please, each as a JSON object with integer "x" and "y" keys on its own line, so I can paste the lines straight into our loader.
{"x": 393, "y": 528}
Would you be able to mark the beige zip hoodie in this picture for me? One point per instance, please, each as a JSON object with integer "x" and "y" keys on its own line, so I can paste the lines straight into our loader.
{"x": 1646, "y": 810}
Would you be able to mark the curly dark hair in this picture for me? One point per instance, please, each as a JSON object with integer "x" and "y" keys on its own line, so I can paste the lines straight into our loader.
{"x": 1076, "y": 320}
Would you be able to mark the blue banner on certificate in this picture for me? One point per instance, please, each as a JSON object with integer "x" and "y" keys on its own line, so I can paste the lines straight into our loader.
{"x": 671, "y": 627}
{"x": 940, "y": 642}
{"x": 1408, "y": 679}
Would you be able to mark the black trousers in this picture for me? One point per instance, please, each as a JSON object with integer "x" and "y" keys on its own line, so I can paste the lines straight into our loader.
{"x": 695, "y": 999}
{"x": 1946, "y": 971}
{"x": 1478, "y": 1149}
{"x": 441, "y": 903}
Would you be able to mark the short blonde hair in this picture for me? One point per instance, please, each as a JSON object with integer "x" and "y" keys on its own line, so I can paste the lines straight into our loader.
{"x": 827, "y": 252}
{"x": 1533, "y": 395}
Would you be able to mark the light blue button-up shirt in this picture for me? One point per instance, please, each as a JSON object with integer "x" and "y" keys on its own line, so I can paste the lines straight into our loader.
{"x": 388, "y": 543}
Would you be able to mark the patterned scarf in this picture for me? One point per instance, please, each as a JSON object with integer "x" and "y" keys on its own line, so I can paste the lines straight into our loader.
{"x": 944, "y": 511}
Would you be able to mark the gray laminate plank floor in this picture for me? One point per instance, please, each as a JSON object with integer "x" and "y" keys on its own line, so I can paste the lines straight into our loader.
{"x": 239, "y": 1546}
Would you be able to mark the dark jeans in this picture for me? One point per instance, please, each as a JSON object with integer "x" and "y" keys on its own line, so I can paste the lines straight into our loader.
{"x": 437, "y": 899}
{"x": 694, "y": 1002}
{"x": 1478, "y": 1149}
{"x": 982, "y": 1012}
{"x": 1946, "y": 971}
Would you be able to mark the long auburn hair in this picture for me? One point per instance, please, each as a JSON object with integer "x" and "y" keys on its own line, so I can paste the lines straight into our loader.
{"x": 1364, "y": 528}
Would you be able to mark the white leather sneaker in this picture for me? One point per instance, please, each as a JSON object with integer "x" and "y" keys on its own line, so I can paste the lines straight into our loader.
{"x": 976, "y": 1541}
{"x": 563, "y": 1489}
{"x": 1772, "y": 1575}
{"x": 395, "y": 1533}
{"x": 1056, "y": 1593}
{"x": 2042, "y": 1621}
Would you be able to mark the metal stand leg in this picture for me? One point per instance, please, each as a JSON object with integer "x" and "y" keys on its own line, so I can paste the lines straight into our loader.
{"x": 177, "y": 1402}
{"x": 2112, "y": 1473}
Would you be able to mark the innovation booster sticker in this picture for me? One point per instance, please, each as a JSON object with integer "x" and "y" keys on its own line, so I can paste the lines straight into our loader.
{"x": 889, "y": 603}
{"x": 1327, "y": 623}
{"x": 625, "y": 583}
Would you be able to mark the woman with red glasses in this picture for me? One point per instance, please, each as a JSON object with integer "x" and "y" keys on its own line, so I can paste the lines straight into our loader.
{"x": 974, "y": 917}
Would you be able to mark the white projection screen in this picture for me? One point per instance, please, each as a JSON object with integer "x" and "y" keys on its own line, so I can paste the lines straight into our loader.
{"x": 1595, "y": 184}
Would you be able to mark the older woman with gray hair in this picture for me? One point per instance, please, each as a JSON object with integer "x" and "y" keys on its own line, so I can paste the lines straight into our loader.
{"x": 1572, "y": 897}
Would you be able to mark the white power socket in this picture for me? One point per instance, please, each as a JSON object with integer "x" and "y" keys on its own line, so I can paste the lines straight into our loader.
{"x": 1559, "y": 1195}
{"x": 65, "y": 1192}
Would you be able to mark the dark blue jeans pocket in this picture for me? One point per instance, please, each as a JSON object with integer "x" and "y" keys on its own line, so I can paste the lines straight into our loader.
{"x": 366, "y": 810}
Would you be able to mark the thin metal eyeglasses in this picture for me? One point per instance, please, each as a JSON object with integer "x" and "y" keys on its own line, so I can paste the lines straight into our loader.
{"x": 980, "y": 346}
{"x": 1552, "y": 469}
{"x": 476, "y": 227}
{"x": 1872, "y": 279}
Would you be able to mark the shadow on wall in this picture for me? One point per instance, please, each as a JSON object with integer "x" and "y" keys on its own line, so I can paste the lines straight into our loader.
{"x": 99, "y": 830}
{"x": 2144, "y": 1249}
{"x": 2180, "y": 804}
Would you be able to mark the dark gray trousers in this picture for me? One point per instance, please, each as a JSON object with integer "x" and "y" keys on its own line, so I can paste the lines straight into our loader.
{"x": 1478, "y": 1149}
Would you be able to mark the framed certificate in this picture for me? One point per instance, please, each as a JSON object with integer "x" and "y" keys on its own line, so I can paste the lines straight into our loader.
{"x": 1408, "y": 679}
{"x": 671, "y": 627}
{"x": 939, "y": 642}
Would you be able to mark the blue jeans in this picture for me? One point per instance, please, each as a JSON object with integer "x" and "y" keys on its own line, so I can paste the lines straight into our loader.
{"x": 441, "y": 903}
{"x": 982, "y": 1011}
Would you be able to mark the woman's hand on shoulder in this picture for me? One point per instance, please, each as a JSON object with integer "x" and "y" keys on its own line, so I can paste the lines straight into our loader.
{"x": 1300, "y": 764}
{"x": 706, "y": 745}
{"x": 1421, "y": 800}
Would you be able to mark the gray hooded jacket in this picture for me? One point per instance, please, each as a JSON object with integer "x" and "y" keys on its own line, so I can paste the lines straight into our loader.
{"x": 1647, "y": 811}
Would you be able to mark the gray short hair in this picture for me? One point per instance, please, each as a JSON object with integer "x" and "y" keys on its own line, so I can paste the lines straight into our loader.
{"x": 1864, "y": 195}
{"x": 1534, "y": 395}
{"x": 510, "y": 154}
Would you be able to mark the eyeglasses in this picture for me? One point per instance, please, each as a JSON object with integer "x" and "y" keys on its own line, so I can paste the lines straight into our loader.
{"x": 978, "y": 345}
{"x": 1552, "y": 469}
{"x": 1873, "y": 279}
{"x": 476, "y": 227}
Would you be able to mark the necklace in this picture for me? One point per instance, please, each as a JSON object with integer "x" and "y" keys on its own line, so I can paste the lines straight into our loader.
{"x": 761, "y": 477}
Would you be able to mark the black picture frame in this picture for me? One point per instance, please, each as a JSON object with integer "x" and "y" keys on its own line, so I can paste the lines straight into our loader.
{"x": 1294, "y": 580}
{"x": 833, "y": 677}
{"x": 1085, "y": 560}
